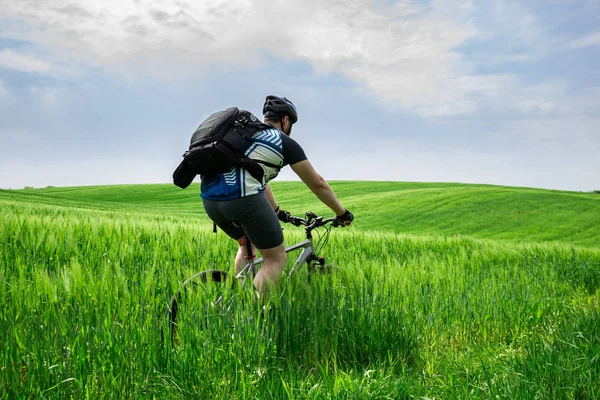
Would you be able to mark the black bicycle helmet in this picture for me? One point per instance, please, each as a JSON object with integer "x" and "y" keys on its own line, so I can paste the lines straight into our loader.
{"x": 276, "y": 106}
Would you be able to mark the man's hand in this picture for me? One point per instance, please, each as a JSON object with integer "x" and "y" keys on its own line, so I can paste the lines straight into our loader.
{"x": 343, "y": 220}
{"x": 283, "y": 216}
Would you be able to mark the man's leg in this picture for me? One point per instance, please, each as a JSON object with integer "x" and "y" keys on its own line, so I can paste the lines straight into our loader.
{"x": 268, "y": 275}
{"x": 256, "y": 220}
{"x": 241, "y": 258}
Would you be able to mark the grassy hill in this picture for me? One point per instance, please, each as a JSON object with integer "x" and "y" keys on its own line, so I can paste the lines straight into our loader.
{"x": 480, "y": 211}
{"x": 440, "y": 291}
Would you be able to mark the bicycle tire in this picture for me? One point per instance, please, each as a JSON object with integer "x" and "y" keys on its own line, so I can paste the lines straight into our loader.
{"x": 320, "y": 269}
{"x": 172, "y": 311}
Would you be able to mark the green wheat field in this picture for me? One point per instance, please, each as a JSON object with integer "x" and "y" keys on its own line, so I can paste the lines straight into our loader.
{"x": 438, "y": 291}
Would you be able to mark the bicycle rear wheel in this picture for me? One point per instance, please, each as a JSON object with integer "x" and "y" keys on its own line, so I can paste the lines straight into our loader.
{"x": 198, "y": 303}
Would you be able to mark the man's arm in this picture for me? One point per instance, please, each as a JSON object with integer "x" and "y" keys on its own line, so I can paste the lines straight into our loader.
{"x": 318, "y": 186}
{"x": 271, "y": 198}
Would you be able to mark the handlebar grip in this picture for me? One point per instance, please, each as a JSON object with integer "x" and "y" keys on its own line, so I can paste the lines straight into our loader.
{"x": 296, "y": 221}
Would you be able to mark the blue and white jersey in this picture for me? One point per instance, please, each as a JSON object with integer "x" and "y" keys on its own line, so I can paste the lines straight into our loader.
{"x": 266, "y": 145}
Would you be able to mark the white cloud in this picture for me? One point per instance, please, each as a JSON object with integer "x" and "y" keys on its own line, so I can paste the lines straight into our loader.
{"x": 407, "y": 53}
{"x": 3, "y": 92}
{"x": 22, "y": 62}
{"x": 51, "y": 99}
{"x": 585, "y": 41}
{"x": 48, "y": 99}
{"x": 114, "y": 33}
{"x": 5, "y": 97}
{"x": 403, "y": 52}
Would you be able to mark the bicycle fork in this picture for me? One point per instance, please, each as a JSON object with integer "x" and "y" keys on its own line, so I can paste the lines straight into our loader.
{"x": 315, "y": 265}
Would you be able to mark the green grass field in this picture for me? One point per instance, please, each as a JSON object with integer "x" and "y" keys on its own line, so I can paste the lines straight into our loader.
{"x": 441, "y": 291}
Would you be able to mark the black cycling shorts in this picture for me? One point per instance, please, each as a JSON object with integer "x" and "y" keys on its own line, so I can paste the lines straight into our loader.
{"x": 250, "y": 216}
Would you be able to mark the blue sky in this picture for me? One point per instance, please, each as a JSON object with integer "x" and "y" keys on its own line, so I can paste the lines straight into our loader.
{"x": 498, "y": 92}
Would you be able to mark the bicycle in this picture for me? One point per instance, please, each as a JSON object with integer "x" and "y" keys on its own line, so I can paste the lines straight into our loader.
{"x": 215, "y": 281}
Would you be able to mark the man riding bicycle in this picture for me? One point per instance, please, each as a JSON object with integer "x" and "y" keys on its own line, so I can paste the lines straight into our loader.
{"x": 245, "y": 208}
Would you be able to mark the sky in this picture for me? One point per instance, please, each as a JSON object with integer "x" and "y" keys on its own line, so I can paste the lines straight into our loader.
{"x": 501, "y": 92}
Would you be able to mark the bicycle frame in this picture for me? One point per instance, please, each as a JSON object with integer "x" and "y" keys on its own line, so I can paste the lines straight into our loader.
{"x": 308, "y": 254}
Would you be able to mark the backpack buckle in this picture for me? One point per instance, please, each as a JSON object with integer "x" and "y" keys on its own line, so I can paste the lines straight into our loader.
{"x": 242, "y": 120}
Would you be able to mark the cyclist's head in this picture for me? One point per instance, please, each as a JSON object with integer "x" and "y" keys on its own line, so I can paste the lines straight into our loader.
{"x": 277, "y": 108}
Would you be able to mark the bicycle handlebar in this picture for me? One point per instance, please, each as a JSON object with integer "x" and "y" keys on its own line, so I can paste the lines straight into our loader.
{"x": 311, "y": 221}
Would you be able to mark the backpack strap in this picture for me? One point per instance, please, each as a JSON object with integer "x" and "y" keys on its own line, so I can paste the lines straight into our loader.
{"x": 268, "y": 164}
{"x": 254, "y": 169}
{"x": 246, "y": 129}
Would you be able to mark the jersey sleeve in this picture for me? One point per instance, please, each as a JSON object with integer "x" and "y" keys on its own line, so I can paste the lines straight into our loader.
{"x": 292, "y": 152}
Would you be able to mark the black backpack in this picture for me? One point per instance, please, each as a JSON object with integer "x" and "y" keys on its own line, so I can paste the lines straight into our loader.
{"x": 219, "y": 144}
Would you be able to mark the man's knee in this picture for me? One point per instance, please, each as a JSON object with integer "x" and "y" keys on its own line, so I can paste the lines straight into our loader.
{"x": 275, "y": 255}
{"x": 279, "y": 258}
